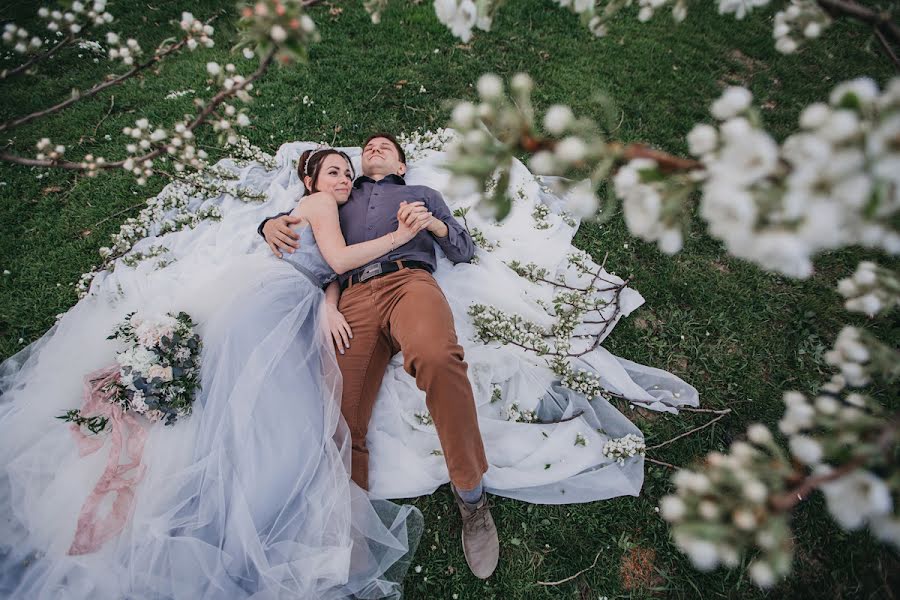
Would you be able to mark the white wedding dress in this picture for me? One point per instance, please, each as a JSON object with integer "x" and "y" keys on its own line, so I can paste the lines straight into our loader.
{"x": 249, "y": 496}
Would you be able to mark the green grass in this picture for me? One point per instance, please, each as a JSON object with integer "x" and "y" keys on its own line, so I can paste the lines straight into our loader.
{"x": 738, "y": 334}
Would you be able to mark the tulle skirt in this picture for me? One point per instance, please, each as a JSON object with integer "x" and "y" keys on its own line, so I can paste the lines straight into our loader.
{"x": 248, "y": 497}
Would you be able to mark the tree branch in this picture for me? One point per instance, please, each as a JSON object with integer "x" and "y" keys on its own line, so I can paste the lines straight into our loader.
{"x": 570, "y": 578}
{"x": 207, "y": 110}
{"x": 610, "y": 321}
{"x": 786, "y": 501}
{"x": 667, "y": 162}
{"x": 6, "y": 73}
{"x": 660, "y": 463}
{"x": 93, "y": 91}
{"x": 880, "y": 20}
{"x": 687, "y": 433}
{"x": 886, "y": 46}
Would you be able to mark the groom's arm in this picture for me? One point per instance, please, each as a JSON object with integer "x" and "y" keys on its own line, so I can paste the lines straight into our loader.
{"x": 278, "y": 234}
{"x": 259, "y": 229}
{"x": 451, "y": 236}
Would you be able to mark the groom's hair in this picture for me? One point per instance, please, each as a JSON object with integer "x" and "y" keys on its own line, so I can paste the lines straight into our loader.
{"x": 392, "y": 140}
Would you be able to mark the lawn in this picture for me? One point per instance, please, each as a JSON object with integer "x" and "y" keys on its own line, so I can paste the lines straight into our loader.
{"x": 738, "y": 334}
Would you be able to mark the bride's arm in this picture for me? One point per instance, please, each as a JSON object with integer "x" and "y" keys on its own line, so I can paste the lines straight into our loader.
{"x": 320, "y": 210}
{"x": 337, "y": 324}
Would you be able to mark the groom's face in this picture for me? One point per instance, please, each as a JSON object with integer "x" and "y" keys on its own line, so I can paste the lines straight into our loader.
{"x": 380, "y": 158}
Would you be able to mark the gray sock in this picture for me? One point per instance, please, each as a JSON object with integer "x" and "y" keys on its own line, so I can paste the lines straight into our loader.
{"x": 471, "y": 496}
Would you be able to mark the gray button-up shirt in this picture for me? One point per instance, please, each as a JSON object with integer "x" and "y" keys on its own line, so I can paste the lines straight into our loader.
{"x": 371, "y": 212}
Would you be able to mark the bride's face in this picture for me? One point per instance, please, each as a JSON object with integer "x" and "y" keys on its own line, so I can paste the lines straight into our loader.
{"x": 336, "y": 177}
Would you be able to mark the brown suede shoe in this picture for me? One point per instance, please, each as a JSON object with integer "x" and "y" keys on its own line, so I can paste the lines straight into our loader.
{"x": 479, "y": 536}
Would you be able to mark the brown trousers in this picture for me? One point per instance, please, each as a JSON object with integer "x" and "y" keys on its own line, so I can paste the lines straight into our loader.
{"x": 406, "y": 311}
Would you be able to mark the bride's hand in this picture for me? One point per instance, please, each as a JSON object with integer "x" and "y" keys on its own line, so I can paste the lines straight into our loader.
{"x": 412, "y": 218}
{"x": 338, "y": 326}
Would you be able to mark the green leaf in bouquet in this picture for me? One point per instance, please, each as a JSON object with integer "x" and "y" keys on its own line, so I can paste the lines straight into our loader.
{"x": 95, "y": 424}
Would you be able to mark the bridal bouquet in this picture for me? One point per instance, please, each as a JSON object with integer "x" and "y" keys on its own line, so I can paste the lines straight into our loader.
{"x": 156, "y": 375}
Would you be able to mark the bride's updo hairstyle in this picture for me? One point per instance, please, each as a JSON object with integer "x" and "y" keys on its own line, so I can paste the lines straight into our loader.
{"x": 310, "y": 164}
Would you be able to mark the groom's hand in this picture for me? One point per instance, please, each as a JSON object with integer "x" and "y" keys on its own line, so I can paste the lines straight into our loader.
{"x": 417, "y": 211}
{"x": 410, "y": 212}
{"x": 279, "y": 235}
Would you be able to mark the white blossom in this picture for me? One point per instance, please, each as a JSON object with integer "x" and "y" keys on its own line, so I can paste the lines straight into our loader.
{"x": 278, "y": 33}
{"x": 856, "y": 498}
{"x": 672, "y": 508}
{"x": 702, "y": 139}
{"x": 459, "y": 16}
{"x": 806, "y": 449}
{"x": 557, "y": 119}
{"x": 489, "y": 86}
{"x": 761, "y": 574}
{"x": 732, "y": 102}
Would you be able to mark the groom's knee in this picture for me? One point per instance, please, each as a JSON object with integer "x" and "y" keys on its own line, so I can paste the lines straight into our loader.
{"x": 432, "y": 357}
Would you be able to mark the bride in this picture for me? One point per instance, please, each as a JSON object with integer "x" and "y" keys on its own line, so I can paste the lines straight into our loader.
{"x": 251, "y": 496}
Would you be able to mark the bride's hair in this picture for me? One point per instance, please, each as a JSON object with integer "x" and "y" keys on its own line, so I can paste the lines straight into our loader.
{"x": 310, "y": 163}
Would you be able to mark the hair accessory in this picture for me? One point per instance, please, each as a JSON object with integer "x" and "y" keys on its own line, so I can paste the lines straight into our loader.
{"x": 311, "y": 154}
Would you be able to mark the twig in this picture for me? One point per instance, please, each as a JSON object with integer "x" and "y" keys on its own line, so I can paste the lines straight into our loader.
{"x": 661, "y": 463}
{"x": 36, "y": 58}
{"x": 116, "y": 214}
{"x": 885, "y": 45}
{"x": 572, "y": 418}
{"x": 622, "y": 397}
{"x": 570, "y": 578}
{"x": 112, "y": 103}
{"x": 611, "y": 321}
{"x": 714, "y": 411}
{"x": 621, "y": 120}
{"x": 687, "y": 433}
{"x": 376, "y": 94}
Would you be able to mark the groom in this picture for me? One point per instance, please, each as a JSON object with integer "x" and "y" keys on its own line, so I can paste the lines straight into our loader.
{"x": 394, "y": 305}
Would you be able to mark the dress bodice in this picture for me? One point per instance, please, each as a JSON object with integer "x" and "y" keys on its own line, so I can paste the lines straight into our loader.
{"x": 308, "y": 259}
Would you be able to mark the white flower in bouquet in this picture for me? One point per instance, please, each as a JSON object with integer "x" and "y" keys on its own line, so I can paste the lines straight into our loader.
{"x": 140, "y": 359}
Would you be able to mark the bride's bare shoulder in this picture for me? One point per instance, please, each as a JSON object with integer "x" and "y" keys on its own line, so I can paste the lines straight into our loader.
{"x": 315, "y": 205}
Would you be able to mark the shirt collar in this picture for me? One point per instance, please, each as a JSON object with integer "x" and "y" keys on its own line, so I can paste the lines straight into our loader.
{"x": 392, "y": 178}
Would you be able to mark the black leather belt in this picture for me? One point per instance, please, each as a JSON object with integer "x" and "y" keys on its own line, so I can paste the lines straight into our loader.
{"x": 383, "y": 268}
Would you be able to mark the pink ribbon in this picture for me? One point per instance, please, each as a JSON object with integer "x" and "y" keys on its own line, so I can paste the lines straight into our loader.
{"x": 94, "y": 530}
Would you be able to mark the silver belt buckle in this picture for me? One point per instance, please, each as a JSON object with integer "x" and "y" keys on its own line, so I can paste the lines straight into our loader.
{"x": 370, "y": 272}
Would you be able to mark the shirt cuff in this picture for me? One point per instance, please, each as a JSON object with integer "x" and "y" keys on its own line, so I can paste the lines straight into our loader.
{"x": 450, "y": 242}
